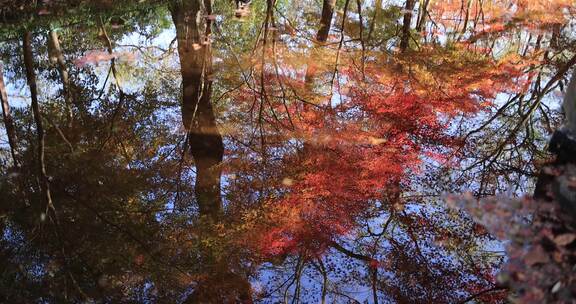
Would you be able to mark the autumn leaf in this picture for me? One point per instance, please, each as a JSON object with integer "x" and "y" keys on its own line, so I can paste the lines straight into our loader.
{"x": 564, "y": 239}
{"x": 536, "y": 256}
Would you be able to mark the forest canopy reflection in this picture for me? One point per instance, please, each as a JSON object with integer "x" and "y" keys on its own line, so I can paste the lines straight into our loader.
{"x": 293, "y": 151}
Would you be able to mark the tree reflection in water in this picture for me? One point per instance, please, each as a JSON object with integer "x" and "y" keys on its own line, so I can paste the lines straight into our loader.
{"x": 274, "y": 151}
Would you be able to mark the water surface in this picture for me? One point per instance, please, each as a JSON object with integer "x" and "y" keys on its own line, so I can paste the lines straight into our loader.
{"x": 287, "y": 151}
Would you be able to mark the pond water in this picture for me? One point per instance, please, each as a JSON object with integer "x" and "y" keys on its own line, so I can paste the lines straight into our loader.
{"x": 273, "y": 151}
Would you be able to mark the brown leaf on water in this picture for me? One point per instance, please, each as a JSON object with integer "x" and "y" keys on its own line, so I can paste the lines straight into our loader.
{"x": 536, "y": 256}
{"x": 564, "y": 239}
{"x": 376, "y": 141}
{"x": 43, "y": 12}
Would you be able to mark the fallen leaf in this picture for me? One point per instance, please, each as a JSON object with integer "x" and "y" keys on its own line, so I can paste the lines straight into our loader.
{"x": 557, "y": 287}
{"x": 287, "y": 182}
{"x": 564, "y": 239}
{"x": 536, "y": 256}
{"x": 43, "y": 12}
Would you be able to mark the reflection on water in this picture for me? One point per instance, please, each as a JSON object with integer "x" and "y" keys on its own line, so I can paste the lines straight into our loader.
{"x": 267, "y": 151}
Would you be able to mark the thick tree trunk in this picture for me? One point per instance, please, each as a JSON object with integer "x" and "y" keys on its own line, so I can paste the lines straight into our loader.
{"x": 405, "y": 39}
{"x": 205, "y": 141}
{"x": 325, "y": 20}
{"x": 31, "y": 78}
{"x": 7, "y": 117}
{"x": 220, "y": 284}
{"x": 569, "y": 107}
{"x": 556, "y": 186}
{"x": 321, "y": 37}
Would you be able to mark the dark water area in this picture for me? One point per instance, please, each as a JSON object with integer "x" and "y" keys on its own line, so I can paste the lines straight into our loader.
{"x": 287, "y": 151}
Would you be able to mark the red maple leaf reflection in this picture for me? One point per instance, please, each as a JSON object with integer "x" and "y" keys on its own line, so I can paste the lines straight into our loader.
{"x": 362, "y": 149}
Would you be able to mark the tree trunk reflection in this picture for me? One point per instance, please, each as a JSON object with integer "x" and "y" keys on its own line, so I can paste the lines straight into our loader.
{"x": 220, "y": 284}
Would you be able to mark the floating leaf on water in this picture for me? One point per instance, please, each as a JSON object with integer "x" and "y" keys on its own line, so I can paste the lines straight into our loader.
{"x": 536, "y": 256}
{"x": 556, "y": 287}
{"x": 564, "y": 239}
{"x": 287, "y": 181}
